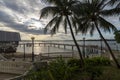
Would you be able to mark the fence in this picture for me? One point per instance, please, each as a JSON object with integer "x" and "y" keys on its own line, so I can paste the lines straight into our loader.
{"x": 14, "y": 67}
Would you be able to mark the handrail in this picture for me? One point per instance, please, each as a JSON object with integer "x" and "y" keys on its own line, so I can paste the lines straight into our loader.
{"x": 21, "y": 76}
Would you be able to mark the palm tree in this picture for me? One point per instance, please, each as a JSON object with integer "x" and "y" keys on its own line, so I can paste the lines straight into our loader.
{"x": 62, "y": 12}
{"x": 117, "y": 36}
{"x": 91, "y": 17}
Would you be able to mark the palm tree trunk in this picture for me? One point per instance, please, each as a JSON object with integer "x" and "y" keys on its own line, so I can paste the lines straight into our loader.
{"x": 116, "y": 62}
{"x": 79, "y": 51}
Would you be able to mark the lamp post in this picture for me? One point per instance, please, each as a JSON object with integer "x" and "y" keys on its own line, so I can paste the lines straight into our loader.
{"x": 83, "y": 47}
{"x": 32, "y": 48}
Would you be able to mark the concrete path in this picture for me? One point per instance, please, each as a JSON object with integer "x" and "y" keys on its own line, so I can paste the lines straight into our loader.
{"x": 4, "y": 76}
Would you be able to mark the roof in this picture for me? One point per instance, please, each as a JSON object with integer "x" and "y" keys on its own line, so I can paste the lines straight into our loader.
{"x": 9, "y": 36}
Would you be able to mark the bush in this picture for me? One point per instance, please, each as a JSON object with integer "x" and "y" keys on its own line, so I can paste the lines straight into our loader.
{"x": 92, "y": 68}
{"x": 97, "y": 61}
{"x": 60, "y": 70}
{"x": 74, "y": 62}
{"x": 69, "y": 70}
{"x": 56, "y": 70}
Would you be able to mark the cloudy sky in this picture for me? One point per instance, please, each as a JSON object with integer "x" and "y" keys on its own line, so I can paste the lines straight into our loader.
{"x": 23, "y": 16}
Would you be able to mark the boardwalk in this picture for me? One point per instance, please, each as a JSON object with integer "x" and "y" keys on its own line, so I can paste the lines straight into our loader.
{"x": 25, "y": 49}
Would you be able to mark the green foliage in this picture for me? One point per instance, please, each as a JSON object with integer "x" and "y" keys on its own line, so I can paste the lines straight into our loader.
{"x": 117, "y": 36}
{"x": 74, "y": 62}
{"x": 93, "y": 66}
{"x": 69, "y": 70}
{"x": 56, "y": 70}
{"x": 99, "y": 61}
{"x": 60, "y": 70}
{"x": 110, "y": 73}
{"x": 38, "y": 75}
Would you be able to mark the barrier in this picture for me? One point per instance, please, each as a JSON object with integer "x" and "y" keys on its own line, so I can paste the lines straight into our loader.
{"x": 14, "y": 67}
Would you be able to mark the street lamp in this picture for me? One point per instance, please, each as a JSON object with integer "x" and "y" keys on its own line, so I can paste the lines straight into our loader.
{"x": 32, "y": 38}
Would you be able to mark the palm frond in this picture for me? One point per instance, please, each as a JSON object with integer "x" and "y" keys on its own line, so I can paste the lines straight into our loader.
{"x": 74, "y": 23}
{"x": 50, "y": 24}
{"x": 112, "y": 2}
{"x": 101, "y": 4}
{"x": 55, "y": 28}
{"x": 65, "y": 25}
{"x": 110, "y": 12}
{"x": 83, "y": 26}
{"x": 105, "y": 25}
{"x": 118, "y": 5}
{"x": 56, "y": 2}
{"x": 49, "y": 10}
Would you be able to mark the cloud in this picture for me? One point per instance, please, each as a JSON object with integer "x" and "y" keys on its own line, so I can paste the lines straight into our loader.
{"x": 19, "y": 15}
{"x": 12, "y": 11}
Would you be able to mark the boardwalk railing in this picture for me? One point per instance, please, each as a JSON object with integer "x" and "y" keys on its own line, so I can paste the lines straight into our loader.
{"x": 54, "y": 55}
{"x": 52, "y": 48}
{"x": 21, "y": 77}
{"x": 64, "y": 46}
{"x": 14, "y": 67}
{"x": 2, "y": 58}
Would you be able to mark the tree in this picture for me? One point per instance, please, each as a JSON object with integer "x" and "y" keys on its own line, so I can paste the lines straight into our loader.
{"x": 117, "y": 36}
{"x": 91, "y": 17}
{"x": 62, "y": 12}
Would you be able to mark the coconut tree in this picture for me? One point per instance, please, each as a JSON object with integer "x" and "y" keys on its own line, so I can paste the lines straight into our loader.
{"x": 62, "y": 12}
{"x": 117, "y": 36}
{"x": 92, "y": 16}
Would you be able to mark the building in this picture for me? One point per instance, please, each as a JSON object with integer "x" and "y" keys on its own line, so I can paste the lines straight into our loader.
{"x": 9, "y": 41}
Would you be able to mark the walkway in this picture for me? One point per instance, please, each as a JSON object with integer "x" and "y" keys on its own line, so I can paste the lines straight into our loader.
{"x": 4, "y": 76}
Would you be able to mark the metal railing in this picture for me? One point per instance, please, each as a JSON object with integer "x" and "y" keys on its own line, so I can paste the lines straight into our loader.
{"x": 14, "y": 67}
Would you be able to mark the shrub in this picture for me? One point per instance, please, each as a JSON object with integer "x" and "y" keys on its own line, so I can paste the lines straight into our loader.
{"x": 74, "y": 62}
{"x": 97, "y": 61}
{"x": 56, "y": 70}
{"x": 92, "y": 68}
{"x": 60, "y": 70}
{"x": 68, "y": 70}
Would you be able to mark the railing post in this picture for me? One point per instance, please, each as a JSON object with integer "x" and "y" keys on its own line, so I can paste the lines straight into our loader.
{"x": 64, "y": 46}
{"x": 48, "y": 50}
{"x": 72, "y": 47}
{"x": 32, "y": 48}
{"x": 58, "y": 45}
{"x": 24, "y": 51}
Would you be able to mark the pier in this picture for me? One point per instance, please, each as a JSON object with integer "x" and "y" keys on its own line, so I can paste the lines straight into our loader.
{"x": 52, "y": 50}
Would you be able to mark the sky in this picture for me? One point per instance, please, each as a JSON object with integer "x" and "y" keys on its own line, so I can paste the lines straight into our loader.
{"x": 23, "y": 16}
